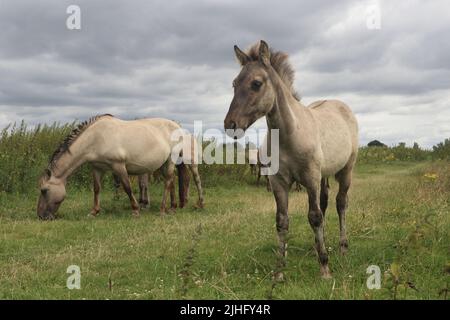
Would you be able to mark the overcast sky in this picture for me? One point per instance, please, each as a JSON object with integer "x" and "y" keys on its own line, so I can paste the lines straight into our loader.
{"x": 175, "y": 59}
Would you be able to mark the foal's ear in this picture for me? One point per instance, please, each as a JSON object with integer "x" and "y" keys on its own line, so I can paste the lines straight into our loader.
{"x": 241, "y": 56}
{"x": 264, "y": 53}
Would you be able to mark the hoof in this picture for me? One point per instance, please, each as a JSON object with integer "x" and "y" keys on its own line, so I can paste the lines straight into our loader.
{"x": 325, "y": 273}
{"x": 136, "y": 214}
{"x": 93, "y": 213}
{"x": 279, "y": 276}
{"x": 199, "y": 205}
{"x": 343, "y": 248}
{"x": 172, "y": 211}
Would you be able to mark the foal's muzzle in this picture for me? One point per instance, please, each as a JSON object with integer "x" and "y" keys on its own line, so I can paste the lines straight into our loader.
{"x": 233, "y": 128}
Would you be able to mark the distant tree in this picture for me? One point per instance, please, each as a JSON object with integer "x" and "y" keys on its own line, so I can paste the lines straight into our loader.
{"x": 442, "y": 150}
{"x": 376, "y": 143}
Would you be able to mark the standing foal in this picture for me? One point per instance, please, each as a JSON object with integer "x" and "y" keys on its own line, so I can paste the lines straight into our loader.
{"x": 315, "y": 142}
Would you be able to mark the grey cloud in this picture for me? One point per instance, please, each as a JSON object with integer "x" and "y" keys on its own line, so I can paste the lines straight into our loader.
{"x": 175, "y": 59}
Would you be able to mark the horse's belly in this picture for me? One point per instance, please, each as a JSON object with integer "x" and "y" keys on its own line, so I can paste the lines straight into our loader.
{"x": 334, "y": 161}
{"x": 146, "y": 161}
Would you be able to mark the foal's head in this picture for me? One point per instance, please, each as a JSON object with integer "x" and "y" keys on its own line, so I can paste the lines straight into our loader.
{"x": 53, "y": 192}
{"x": 254, "y": 94}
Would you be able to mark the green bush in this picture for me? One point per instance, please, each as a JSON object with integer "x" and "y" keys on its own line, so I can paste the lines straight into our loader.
{"x": 441, "y": 151}
{"x": 392, "y": 154}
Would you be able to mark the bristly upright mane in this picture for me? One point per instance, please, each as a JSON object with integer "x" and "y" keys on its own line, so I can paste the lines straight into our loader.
{"x": 280, "y": 62}
{"x": 70, "y": 139}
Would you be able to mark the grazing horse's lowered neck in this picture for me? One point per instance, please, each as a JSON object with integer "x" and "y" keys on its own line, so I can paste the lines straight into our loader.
{"x": 72, "y": 159}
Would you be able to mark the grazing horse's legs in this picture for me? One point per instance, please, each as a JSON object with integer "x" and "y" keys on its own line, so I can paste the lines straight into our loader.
{"x": 344, "y": 178}
{"x": 121, "y": 171}
{"x": 97, "y": 187}
{"x": 173, "y": 198}
{"x": 281, "y": 192}
{"x": 259, "y": 175}
{"x": 315, "y": 218}
{"x": 117, "y": 184}
{"x": 198, "y": 184}
{"x": 144, "y": 199}
{"x": 168, "y": 173}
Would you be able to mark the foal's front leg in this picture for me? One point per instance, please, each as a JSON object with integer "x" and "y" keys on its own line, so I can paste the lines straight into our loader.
{"x": 316, "y": 221}
{"x": 121, "y": 171}
{"x": 281, "y": 193}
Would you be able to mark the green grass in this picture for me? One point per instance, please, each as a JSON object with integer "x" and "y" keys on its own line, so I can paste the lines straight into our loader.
{"x": 398, "y": 219}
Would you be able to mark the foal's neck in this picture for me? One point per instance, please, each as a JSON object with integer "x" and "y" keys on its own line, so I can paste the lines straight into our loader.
{"x": 282, "y": 116}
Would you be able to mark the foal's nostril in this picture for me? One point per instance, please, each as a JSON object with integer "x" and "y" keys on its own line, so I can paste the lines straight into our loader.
{"x": 233, "y": 125}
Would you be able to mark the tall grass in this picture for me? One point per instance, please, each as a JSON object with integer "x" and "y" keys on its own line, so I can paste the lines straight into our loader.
{"x": 25, "y": 153}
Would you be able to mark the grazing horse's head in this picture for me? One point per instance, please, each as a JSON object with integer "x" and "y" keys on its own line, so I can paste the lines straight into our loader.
{"x": 254, "y": 94}
{"x": 53, "y": 192}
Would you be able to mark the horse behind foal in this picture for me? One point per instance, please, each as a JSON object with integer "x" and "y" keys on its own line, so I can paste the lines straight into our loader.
{"x": 112, "y": 144}
{"x": 315, "y": 142}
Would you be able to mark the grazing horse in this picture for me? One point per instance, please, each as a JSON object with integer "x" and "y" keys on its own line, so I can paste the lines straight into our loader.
{"x": 126, "y": 147}
{"x": 315, "y": 142}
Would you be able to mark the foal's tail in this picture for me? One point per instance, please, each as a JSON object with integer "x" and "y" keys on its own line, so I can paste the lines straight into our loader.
{"x": 183, "y": 183}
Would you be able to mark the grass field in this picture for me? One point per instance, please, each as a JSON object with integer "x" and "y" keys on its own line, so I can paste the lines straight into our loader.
{"x": 398, "y": 219}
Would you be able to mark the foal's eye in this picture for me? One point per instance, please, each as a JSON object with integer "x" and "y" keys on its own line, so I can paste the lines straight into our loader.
{"x": 256, "y": 85}
{"x": 234, "y": 84}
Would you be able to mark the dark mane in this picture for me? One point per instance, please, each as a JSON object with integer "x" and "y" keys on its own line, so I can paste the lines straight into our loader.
{"x": 280, "y": 62}
{"x": 70, "y": 139}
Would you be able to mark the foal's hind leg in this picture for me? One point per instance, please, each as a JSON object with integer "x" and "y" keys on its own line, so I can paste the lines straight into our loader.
{"x": 324, "y": 195}
{"x": 344, "y": 178}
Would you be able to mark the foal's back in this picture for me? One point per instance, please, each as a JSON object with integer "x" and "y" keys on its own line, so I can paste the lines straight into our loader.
{"x": 338, "y": 130}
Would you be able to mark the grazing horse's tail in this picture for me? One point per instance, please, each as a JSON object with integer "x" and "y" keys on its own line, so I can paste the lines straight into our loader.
{"x": 183, "y": 184}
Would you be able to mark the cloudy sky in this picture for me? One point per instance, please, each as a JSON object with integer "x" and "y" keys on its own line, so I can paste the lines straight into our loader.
{"x": 175, "y": 59}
